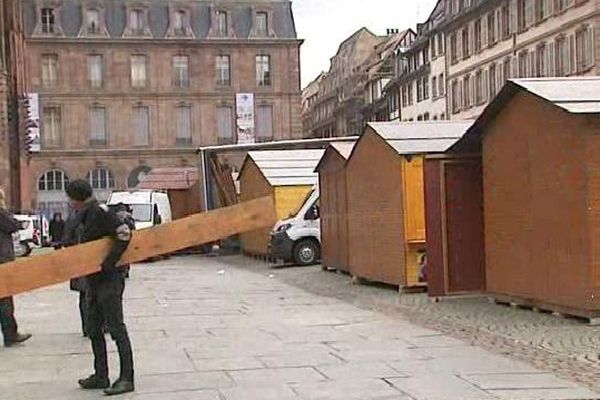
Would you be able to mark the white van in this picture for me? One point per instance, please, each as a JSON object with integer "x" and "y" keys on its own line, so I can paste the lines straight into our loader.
{"x": 298, "y": 238}
{"x": 149, "y": 206}
{"x": 30, "y": 235}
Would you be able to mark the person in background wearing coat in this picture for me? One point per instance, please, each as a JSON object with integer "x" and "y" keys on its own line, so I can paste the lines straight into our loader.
{"x": 57, "y": 228}
{"x": 8, "y": 226}
{"x": 71, "y": 236}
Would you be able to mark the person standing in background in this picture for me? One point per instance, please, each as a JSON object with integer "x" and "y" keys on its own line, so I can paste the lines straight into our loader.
{"x": 8, "y": 226}
{"x": 57, "y": 228}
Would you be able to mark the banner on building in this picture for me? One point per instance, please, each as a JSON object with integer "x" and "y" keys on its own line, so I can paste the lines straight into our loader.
{"x": 245, "y": 118}
{"x": 33, "y": 130}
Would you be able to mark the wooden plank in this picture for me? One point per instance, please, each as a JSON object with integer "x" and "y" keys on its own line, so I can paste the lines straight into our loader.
{"x": 39, "y": 271}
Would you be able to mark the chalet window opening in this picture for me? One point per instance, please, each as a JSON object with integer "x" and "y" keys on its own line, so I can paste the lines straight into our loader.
{"x": 491, "y": 21}
{"x": 584, "y": 39}
{"x": 93, "y": 22}
{"x": 492, "y": 80}
{"x": 101, "y": 179}
{"x": 477, "y": 34}
{"x": 465, "y": 43}
{"x": 180, "y": 23}
{"x": 222, "y": 28}
{"x": 49, "y": 70}
{"x": 136, "y": 22}
{"x": 540, "y": 59}
{"x": 53, "y": 180}
{"x": 262, "y": 23}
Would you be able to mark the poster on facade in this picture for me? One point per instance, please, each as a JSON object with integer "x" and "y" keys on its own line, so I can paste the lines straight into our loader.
{"x": 34, "y": 127}
{"x": 245, "y": 118}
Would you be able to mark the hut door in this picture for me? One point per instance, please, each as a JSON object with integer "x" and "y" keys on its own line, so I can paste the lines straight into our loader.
{"x": 463, "y": 218}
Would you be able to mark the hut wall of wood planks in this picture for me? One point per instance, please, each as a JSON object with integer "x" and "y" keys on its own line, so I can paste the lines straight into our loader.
{"x": 286, "y": 175}
{"x": 333, "y": 206}
{"x": 385, "y": 189}
{"x": 540, "y": 141}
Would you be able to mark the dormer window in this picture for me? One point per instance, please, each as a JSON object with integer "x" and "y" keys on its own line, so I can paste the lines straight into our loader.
{"x": 136, "y": 18}
{"x": 262, "y": 24}
{"x": 48, "y": 20}
{"x": 93, "y": 22}
{"x": 180, "y": 23}
{"x": 222, "y": 26}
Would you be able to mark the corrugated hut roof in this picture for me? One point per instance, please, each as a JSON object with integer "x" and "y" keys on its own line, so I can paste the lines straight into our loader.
{"x": 344, "y": 149}
{"x": 287, "y": 167}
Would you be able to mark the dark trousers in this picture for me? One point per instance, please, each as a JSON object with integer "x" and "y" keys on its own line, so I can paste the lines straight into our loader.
{"x": 83, "y": 312}
{"x": 105, "y": 306}
{"x": 7, "y": 319}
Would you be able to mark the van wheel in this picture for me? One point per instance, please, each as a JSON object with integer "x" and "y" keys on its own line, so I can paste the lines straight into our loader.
{"x": 306, "y": 252}
{"x": 22, "y": 250}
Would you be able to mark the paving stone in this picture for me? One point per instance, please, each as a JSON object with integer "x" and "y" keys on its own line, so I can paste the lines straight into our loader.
{"x": 357, "y": 371}
{"x": 277, "y": 376}
{"x": 167, "y": 383}
{"x": 265, "y": 392}
{"x": 185, "y": 395}
{"x": 510, "y": 381}
{"x": 347, "y": 390}
{"x": 439, "y": 387}
{"x": 227, "y": 364}
{"x": 546, "y": 394}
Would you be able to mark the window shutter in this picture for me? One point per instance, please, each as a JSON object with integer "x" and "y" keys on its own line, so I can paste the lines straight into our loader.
{"x": 549, "y": 7}
{"x": 498, "y": 22}
{"x": 550, "y": 60}
{"x": 531, "y": 67}
{"x": 591, "y": 44}
{"x": 485, "y": 93}
{"x": 515, "y": 68}
{"x": 484, "y": 33}
{"x": 569, "y": 57}
{"x": 529, "y": 12}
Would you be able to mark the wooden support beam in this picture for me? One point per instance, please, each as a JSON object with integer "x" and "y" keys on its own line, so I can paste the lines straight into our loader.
{"x": 59, "y": 266}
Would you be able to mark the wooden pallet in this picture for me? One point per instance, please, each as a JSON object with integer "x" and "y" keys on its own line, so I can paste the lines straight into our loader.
{"x": 591, "y": 317}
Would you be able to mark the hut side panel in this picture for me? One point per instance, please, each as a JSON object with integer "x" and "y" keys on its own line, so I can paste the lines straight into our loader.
{"x": 330, "y": 175}
{"x": 435, "y": 238}
{"x": 592, "y": 147}
{"x": 288, "y": 199}
{"x": 375, "y": 212}
{"x": 341, "y": 221}
{"x": 535, "y": 202}
{"x": 254, "y": 185}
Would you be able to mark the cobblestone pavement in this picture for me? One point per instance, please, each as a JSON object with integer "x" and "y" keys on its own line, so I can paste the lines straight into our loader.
{"x": 568, "y": 347}
{"x": 231, "y": 328}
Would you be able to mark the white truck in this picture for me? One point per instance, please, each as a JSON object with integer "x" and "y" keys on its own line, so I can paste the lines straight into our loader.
{"x": 149, "y": 207}
{"x": 298, "y": 239}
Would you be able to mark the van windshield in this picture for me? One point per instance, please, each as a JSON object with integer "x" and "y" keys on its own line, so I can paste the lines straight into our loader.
{"x": 142, "y": 212}
{"x": 304, "y": 200}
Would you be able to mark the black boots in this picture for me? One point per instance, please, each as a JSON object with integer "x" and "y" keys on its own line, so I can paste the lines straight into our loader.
{"x": 120, "y": 387}
{"x": 19, "y": 338}
{"x": 94, "y": 382}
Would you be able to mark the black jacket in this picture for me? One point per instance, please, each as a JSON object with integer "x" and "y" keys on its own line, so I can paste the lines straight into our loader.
{"x": 99, "y": 222}
{"x": 8, "y": 226}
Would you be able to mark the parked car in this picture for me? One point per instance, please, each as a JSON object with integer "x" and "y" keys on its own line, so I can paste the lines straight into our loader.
{"x": 298, "y": 239}
{"x": 149, "y": 207}
{"x": 30, "y": 235}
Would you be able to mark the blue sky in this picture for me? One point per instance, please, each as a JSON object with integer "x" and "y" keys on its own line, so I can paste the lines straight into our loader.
{"x": 324, "y": 24}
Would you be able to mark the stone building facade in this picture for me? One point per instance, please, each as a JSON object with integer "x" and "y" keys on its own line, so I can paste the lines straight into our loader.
{"x": 127, "y": 86}
{"x": 12, "y": 79}
{"x": 337, "y": 108}
{"x": 490, "y": 41}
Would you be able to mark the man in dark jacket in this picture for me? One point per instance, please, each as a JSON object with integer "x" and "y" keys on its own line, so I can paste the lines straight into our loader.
{"x": 8, "y": 227}
{"x": 72, "y": 234}
{"x": 104, "y": 290}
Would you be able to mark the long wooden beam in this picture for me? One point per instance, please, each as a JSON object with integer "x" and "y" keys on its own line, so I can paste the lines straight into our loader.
{"x": 59, "y": 266}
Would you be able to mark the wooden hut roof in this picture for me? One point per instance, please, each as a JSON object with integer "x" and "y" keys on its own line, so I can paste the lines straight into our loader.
{"x": 287, "y": 167}
{"x": 344, "y": 149}
{"x": 421, "y": 137}
{"x": 579, "y": 95}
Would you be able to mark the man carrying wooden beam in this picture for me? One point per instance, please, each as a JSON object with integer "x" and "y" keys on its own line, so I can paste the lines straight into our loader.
{"x": 105, "y": 290}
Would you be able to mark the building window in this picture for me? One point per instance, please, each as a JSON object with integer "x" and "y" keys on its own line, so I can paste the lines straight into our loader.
{"x": 98, "y": 126}
{"x": 506, "y": 69}
{"x": 223, "y": 68}
{"x": 433, "y": 47}
{"x": 425, "y": 85}
{"x": 491, "y": 20}
{"x": 53, "y": 180}
{"x": 562, "y": 5}
{"x": 584, "y": 49}
{"x": 434, "y": 87}
{"x": 136, "y": 22}
{"x": 426, "y": 56}
{"x": 540, "y": 60}
{"x": 477, "y": 34}
{"x": 95, "y": 75}
{"x": 442, "y": 84}
{"x": 492, "y": 80}
{"x": 225, "y": 134}
{"x": 49, "y": 70}
{"x": 479, "y": 88}
{"x": 92, "y": 22}
{"x": 263, "y": 70}
{"x": 141, "y": 118}
{"x": 181, "y": 73}
{"x": 222, "y": 27}
{"x": 262, "y": 24}
{"x": 51, "y": 126}
{"x": 522, "y": 14}
{"x": 467, "y": 91}
{"x": 264, "y": 123}
{"x": 138, "y": 71}
{"x": 411, "y": 97}
{"x": 419, "y": 91}
{"x": 440, "y": 44}
{"x": 523, "y": 73}
{"x": 454, "y": 93}
{"x": 184, "y": 126}
{"x": 48, "y": 20}
{"x": 101, "y": 179}
{"x": 465, "y": 43}
{"x": 180, "y": 23}
{"x": 426, "y": 117}
{"x": 541, "y": 10}
{"x": 563, "y": 57}
{"x": 453, "y": 49}
{"x": 506, "y": 28}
